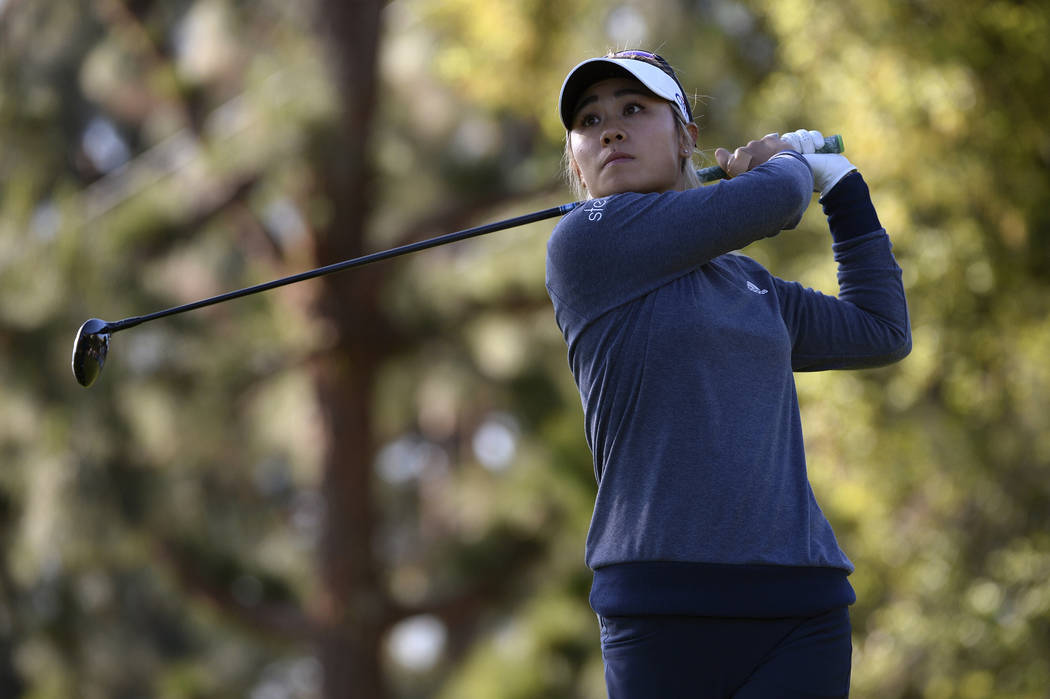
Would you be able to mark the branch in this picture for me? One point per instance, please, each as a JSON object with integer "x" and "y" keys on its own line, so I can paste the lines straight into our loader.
{"x": 285, "y": 620}
{"x": 494, "y": 577}
{"x": 454, "y": 218}
{"x": 463, "y": 215}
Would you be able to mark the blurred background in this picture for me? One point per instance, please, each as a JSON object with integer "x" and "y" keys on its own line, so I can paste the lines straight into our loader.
{"x": 376, "y": 484}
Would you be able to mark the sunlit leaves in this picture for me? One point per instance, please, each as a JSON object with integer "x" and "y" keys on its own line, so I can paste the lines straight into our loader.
{"x": 933, "y": 471}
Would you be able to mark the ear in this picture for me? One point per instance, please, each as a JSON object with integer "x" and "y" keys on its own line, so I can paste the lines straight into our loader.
{"x": 694, "y": 133}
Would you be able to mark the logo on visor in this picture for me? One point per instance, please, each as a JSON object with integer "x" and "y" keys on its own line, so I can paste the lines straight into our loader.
{"x": 681, "y": 101}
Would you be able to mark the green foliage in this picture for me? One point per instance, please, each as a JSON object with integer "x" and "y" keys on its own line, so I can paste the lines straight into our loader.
{"x": 159, "y": 533}
{"x": 942, "y": 474}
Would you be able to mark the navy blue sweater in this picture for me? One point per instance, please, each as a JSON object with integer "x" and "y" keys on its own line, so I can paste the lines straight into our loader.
{"x": 684, "y": 352}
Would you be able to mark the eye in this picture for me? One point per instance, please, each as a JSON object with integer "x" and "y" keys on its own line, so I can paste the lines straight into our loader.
{"x": 587, "y": 120}
{"x": 633, "y": 108}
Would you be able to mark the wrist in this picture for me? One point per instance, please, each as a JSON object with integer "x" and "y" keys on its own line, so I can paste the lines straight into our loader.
{"x": 849, "y": 208}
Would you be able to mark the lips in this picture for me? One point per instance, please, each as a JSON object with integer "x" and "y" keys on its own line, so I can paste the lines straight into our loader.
{"x": 615, "y": 156}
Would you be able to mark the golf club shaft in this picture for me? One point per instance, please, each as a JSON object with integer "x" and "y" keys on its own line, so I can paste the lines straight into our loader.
{"x": 118, "y": 325}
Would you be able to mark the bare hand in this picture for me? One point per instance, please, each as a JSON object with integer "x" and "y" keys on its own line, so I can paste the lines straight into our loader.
{"x": 750, "y": 156}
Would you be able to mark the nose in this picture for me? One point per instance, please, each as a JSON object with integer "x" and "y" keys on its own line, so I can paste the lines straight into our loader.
{"x": 612, "y": 133}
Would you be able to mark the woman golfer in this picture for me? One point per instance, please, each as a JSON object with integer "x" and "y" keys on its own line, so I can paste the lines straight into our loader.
{"x": 715, "y": 572}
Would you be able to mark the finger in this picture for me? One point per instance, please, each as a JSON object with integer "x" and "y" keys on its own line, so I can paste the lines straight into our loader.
{"x": 772, "y": 141}
{"x": 792, "y": 140}
{"x": 804, "y": 144}
{"x": 722, "y": 157}
{"x": 816, "y": 139}
{"x": 804, "y": 141}
{"x": 739, "y": 163}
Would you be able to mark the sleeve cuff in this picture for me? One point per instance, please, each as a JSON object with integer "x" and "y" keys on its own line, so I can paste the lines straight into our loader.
{"x": 791, "y": 154}
{"x": 849, "y": 208}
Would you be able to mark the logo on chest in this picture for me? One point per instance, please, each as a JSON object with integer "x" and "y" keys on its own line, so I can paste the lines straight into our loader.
{"x": 595, "y": 208}
{"x": 754, "y": 288}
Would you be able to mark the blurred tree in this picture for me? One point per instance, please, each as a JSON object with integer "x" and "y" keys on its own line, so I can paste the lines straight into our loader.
{"x": 183, "y": 125}
{"x": 378, "y": 484}
{"x": 937, "y": 478}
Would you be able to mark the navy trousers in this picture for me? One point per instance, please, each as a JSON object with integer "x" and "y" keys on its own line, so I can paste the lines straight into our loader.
{"x": 700, "y": 657}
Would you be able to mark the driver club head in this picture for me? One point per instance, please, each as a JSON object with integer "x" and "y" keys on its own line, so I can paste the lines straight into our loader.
{"x": 89, "y": 350}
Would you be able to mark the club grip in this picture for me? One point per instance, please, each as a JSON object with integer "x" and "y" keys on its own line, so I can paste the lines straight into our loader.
{"x": 832, "y": 144}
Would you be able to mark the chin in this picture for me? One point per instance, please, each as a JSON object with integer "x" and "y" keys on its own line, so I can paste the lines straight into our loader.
{"x": 619, "y": 185}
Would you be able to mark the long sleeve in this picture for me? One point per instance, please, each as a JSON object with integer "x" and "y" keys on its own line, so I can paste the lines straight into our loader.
{"x": 867, "y": 324}
{"x": 615, "y": 249}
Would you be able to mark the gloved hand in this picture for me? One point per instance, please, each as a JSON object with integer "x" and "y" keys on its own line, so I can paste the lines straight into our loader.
{"x": 804, "y": 141}
{"x": 828, "y": 168}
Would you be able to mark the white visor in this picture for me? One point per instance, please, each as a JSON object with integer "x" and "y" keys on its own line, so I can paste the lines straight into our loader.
{"x": 592, "y": 70}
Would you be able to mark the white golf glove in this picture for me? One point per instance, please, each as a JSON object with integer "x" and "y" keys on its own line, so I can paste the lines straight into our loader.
{"x": 804, "y": 141}
{"x": 828, "y": 168}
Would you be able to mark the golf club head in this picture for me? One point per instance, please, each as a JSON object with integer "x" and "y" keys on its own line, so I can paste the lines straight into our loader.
{"x": 89, "y": 351}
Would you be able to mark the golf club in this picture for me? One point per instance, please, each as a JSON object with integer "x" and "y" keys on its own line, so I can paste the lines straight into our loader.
{"x": 92, "y": 341}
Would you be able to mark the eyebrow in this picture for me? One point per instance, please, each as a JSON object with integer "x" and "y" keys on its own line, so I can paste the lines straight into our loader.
{"x": 619, "y": 93}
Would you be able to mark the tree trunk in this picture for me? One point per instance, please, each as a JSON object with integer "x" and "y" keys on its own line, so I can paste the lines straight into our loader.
{"x": 353, "y": 606}
{"x": 353, "y": 602}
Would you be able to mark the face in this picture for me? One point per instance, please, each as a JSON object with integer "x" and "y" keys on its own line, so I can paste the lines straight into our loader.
{"x": 625, "y": 139}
